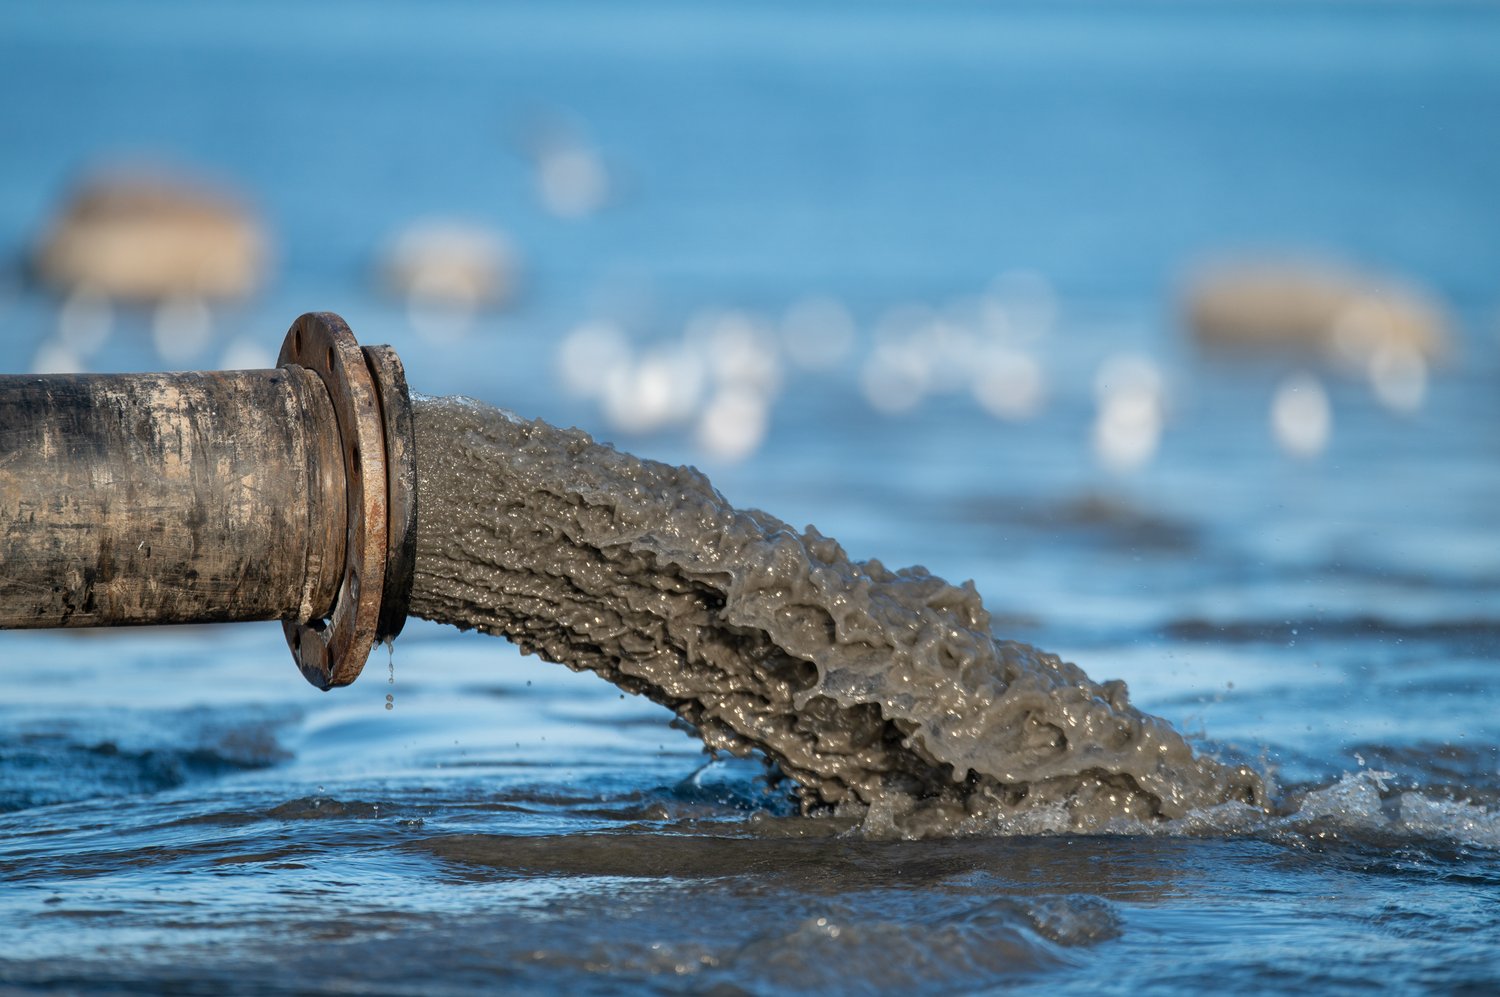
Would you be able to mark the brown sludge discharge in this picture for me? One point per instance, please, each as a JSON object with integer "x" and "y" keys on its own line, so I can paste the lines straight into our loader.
{"x": 882, "y": 694}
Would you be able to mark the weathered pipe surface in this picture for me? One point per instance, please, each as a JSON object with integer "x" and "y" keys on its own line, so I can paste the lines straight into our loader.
{"x": 169, "y": 498}
{"x": 286, "y": 494}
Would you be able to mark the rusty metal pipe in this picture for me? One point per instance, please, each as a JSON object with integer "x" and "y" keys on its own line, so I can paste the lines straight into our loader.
{"x": 207, "y": 497}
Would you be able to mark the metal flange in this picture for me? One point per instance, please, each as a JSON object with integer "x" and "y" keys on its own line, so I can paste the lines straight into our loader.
{"x": 401, "y": 488}
{"x": 373, "y": 409}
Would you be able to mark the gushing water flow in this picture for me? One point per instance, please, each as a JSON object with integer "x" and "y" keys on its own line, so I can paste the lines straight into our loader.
{"x": 881, "y": 694}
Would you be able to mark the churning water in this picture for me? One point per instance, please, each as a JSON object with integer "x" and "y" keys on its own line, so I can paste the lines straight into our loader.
{"x": 178, "y": 811}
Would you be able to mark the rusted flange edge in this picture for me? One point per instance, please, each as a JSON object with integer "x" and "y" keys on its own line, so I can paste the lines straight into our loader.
{"x": 401, "y": 488}
{"x": 331, "y": 651}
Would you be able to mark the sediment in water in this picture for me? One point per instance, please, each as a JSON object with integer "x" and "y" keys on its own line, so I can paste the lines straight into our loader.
{"x": 881, "y": 694}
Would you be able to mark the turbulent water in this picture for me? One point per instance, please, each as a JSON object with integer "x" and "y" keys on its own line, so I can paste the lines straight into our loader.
{"x": 872, "y": 689}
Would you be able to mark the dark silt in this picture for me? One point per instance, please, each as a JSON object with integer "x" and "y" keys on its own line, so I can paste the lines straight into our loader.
{"x": 882, "y": 694}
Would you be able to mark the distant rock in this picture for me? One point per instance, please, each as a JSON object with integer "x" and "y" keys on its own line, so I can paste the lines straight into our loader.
{"x": 1343, "y": 315}
{"x": 449, "y": 263}
{"x": 149, "y": 237}
{"x": 572, "y": 179}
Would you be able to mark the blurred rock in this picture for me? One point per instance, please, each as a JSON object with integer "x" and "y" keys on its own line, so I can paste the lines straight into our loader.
{"x": 447, "y": 272}
{"x": 738, "y": 348}
{"x": 1023, "y": 305}
{"x": 818, "y": 333}
{"x": 247, "y": 353}
{"x": 572, "y": 180}
{"x": 659, "y": 389}
{"x": 53, "y": 357}
{"x": 1301, "y": 416}
{"x": 588, "y": 355}
{"x": 149, "y": 237}
{"x": 455, "y": 263}
{"x": 895, "y": 377}
{"x": 181, "y": 329}
{"x": 1131, "y": 395}
{"x": 85, "y": 322}
{"x": 734, "y": 423}
{"x": 1009, "y": 383}
{"x": 1345, "y": 316}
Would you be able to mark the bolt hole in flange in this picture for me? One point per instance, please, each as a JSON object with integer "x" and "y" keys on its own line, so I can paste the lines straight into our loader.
{"x": 371, "y": 406}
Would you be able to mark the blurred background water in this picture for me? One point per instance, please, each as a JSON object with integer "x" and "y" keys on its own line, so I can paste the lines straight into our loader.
{"x": 1175, "y": 326}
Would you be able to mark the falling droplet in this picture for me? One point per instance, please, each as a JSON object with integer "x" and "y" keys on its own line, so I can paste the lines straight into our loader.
{"x": 390, "y": 650}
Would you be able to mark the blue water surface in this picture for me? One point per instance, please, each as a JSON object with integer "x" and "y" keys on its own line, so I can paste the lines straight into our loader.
{"x": 179, "y": 811}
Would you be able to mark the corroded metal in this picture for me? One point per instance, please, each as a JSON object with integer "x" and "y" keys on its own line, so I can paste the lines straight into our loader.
{"x": 401, "y": 488}
{"x": 331, "y": 650}
{"x": 284, "y": 494}
{"x": 166, "y": 498}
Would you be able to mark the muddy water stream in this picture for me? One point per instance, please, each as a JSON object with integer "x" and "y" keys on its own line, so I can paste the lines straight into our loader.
{"x": 867, "y": 687}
